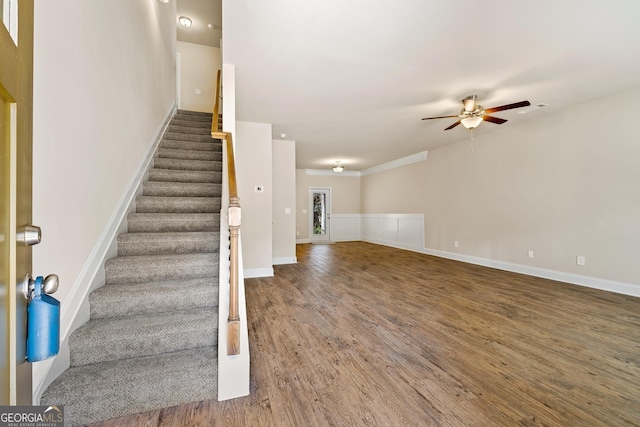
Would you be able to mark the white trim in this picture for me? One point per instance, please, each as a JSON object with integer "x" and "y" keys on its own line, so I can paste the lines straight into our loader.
{"x": 414, "y": 158}
{"x": 285, "y": 260}
{"x": 92, "y": 273}
{"x": 251, "y": 273}
{"x": 329, "y": 172}
{"x": 302, "y": 241}
{"x": 574, "y": 279}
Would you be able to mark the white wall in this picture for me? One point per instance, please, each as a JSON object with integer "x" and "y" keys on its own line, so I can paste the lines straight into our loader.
{"x": 199, "y": 65}
{"x": 284, "y": 202}
{"x": 104, "y": 81}
{"x": 253, "y": 168}
{"x": 562, "y": 185}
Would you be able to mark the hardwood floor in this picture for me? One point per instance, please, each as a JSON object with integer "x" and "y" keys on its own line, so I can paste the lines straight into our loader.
{"x": 357, "y": 334}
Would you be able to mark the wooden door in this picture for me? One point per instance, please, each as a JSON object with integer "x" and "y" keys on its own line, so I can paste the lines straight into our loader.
{"x": 16, "y": 94}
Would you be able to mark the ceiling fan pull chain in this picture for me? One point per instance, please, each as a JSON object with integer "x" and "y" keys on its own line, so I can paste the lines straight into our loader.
{"x": 472, "y": 139}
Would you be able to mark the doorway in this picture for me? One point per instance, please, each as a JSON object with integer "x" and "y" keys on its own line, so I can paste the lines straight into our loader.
{"x": 320, "y": 217}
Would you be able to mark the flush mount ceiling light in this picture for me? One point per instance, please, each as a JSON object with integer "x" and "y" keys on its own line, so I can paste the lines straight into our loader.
{"x": 337, "y": 167}
{"x": 164, "y": 1}
{"x": 185, "y": 22}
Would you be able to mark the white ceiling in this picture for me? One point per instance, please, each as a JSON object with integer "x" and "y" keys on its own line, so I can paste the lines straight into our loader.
{"x": 350, "y": 80}
{"x": 202, "y": 13}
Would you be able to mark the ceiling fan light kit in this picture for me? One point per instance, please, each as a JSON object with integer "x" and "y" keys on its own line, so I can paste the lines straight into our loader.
{"x": 471, "y": 122}
{"x": 472, "y": 113}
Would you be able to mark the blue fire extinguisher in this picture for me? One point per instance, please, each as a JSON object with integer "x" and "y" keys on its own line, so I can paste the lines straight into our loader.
{"x": 43, "y": 320}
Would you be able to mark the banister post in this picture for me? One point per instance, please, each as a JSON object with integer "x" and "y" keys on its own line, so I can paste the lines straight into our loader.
{"x": 233, "y": 324}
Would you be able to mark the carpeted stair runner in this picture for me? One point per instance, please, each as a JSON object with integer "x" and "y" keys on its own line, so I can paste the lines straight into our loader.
{"x": 152, "y": 335}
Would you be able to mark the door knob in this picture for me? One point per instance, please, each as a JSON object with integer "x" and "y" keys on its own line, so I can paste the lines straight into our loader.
{"x": 29, "y": 235}
{"x": 49, "y": 285}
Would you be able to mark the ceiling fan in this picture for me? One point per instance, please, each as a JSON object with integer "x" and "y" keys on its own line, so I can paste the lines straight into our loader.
{"x": 472, "y": 114}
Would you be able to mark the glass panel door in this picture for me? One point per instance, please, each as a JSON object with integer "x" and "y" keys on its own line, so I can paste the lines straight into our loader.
{"x": 320, "y": 214}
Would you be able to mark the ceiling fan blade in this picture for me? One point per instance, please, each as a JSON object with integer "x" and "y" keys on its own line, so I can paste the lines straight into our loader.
{"x": 453, "y": 125}
{"x": 440, "y": 117}
{"x": 507, "y": 107}
{"x": 496, "y": 120}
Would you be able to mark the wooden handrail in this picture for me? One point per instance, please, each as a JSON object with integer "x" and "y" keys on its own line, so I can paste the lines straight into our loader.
{"x": 215, "y": 123}
{"x": 234, "y": 219}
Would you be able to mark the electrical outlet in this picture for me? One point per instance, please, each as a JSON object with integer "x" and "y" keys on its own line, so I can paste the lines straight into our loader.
{"x": 580, "y": 260}
{"x": 530, "y": 254}
{"x": 455, "y": 243}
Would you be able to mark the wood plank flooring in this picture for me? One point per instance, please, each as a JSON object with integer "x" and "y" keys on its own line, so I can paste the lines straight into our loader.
{"x": 358, "y": 334}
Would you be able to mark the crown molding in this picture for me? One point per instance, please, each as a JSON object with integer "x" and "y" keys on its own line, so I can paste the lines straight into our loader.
{"x": 329, "y": 172}
{"x": 414, "y": 158}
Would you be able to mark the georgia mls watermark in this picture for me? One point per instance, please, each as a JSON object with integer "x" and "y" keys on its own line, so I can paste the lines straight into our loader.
{"x": 31, "y": 416}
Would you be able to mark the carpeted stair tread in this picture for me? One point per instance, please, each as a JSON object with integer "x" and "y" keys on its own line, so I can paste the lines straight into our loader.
{"x": 200, "y": 122}
{"x": 212, "y": 145}
{"x": 150, "y": 268}
{"x": 99, "y": 392}
{"x": 168, "y": 243}
{"x": 171, "y": 222}
{"x": 133, "y": 299}
{"x": 104, "y": 340}
{"x": 170, "y": 175}
{"x": 174, "y": 128}
{"x": 192, "y": 113}
{"x": 191, "y": 165}
{"x": 179, "y": 154}
{"x": 149, "y": 204}
{"x": 179, "y": 136}
{"x": 182, "y": 189}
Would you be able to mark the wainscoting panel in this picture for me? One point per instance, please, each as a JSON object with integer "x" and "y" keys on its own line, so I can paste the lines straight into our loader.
{"x": 345, "y": 227}
{"x": 398, "y": 230}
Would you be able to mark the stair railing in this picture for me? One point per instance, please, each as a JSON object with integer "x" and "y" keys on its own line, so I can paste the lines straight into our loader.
{"x": 234, "y": 218}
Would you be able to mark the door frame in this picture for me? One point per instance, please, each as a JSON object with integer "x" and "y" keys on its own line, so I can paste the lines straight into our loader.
{"x": 16, "y": 106}
{"x": 325, "y": 238}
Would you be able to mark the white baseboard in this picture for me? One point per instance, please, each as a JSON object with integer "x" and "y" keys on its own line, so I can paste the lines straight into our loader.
{"x": 75, "y": 310}
{"x": 574, "y": 279}
{"x": 302, "y": 241}
{"x": 285, "y": 260}
{"x": 251, "y": 273}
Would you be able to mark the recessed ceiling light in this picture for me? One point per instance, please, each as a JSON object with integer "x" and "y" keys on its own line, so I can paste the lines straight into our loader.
{"x": 185, "y": 22}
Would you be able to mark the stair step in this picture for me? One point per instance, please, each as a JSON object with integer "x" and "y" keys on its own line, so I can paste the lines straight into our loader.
{"x": 93, "y": 393}
{"x": 176, "y": 175}
{"x": 170, "y": 153}
{"x": 104, "y": 340}
{"x": 212, "y": 145}
{"x": 202, "y": 122}
{"x": 191, "y": 165}
{"x": 187, "y": 137}
{"x": 169, "y": 222}
{"x": 152, "y": 204}
{"x": 133, "y": 299}
{"x": 191, "y": 113}
{"x": 181, "y": 189}
{"x": 188, "y": 130}
{"x": 168, "y": 243}
{"x": 151, "y": 268}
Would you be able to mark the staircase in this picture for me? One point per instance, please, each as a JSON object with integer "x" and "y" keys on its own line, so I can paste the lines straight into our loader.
{"x": 151, "y": 340}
